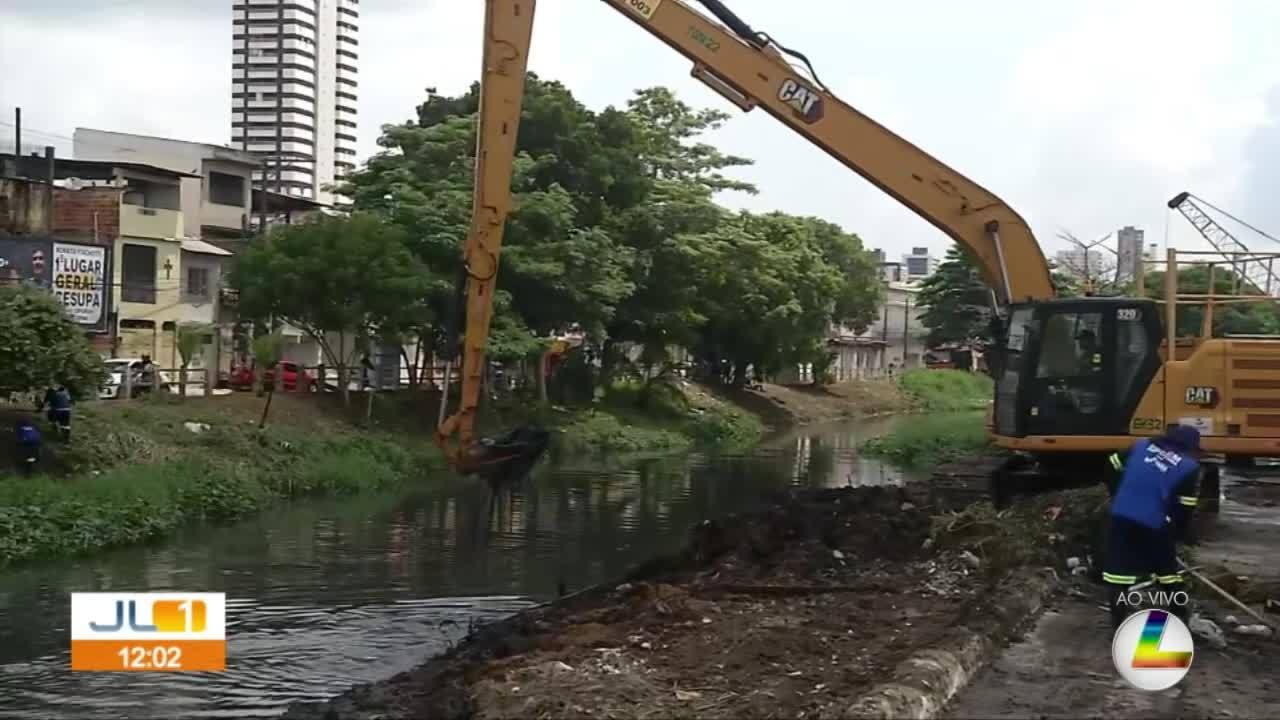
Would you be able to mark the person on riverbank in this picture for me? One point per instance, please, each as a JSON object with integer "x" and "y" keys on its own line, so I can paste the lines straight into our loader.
{"x": 27, "y": 441}
{"x": 1151, "y": 509}
{"x": 60, "y": 402}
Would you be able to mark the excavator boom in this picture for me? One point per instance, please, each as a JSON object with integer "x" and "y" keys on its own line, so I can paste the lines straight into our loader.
{"x": 751, "y": 70}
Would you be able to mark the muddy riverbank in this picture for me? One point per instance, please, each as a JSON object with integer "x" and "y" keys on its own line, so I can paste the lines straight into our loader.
{"x": 798, "y": 609}
{"x": 331, "y": 592}
{"x": 1062, "y": 668}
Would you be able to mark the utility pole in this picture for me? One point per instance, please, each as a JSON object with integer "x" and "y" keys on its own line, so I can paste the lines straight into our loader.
{"x": 906, "y": 326}
{"x": 17, "y": 134}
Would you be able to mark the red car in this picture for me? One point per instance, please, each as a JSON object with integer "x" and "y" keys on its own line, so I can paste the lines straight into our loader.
{"x": 293, "y": 378}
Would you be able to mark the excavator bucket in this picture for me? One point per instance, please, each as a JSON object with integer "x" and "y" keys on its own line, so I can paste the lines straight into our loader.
{"x": 508, "y": 457}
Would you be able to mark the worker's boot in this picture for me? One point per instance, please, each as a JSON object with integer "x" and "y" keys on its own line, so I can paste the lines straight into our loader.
{"x": 1120, "y": 611}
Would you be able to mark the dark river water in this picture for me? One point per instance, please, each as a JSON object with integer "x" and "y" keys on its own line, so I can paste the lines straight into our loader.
{"x": 323, "y": 595}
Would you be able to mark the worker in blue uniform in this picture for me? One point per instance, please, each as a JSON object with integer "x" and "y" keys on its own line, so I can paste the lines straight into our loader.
{"x": 1151, "y": 508}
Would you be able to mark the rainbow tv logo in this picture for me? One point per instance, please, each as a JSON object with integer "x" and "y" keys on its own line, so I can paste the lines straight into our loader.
{"x": 1152, "y": 650}
{"x": 148, "y": 631}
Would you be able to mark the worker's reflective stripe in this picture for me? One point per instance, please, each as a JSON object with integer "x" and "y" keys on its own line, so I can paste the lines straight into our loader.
{"x": 1119, "y": 579}
{"x": 1188, "y": 500}
{"x": 1115, "y": 462}
{"x": 1168, "y": 579}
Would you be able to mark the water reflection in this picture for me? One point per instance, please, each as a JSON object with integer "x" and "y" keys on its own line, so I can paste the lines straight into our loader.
{"x": 322, "y": 595}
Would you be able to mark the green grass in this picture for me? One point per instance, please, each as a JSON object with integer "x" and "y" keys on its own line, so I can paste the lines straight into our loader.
{"x": 45, "y": 516}
{"x": 946, "y": 390}
{"x": 930, "y": 439}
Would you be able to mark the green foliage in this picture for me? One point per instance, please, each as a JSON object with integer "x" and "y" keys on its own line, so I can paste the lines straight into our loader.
{"x": 1254, "y": 318}
{"x": 229, "y": 474}
{"x": 930, "y": 439}
{"x": 268, "y": 349}
{"x": 955, "y": 302}
{"x": 603, "y": 432}
{"x": 616, "y": 232}
{"x": 41, "y": 347}
{"x": 946, "y": 390}
{"x": 724, "y": 426}
{"x": 191, "y": 337}
{"x": 336, "y": 274}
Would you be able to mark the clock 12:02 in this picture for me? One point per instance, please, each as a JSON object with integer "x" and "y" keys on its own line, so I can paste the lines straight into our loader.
{"x": 159, "y": 657}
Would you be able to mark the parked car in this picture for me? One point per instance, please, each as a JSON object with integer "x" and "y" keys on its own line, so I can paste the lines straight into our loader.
{"x": 293, "y": 377}
{"x": 168, "y": 381}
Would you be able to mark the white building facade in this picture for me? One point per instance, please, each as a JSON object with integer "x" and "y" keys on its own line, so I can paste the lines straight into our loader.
{"x": 294, "y": 91}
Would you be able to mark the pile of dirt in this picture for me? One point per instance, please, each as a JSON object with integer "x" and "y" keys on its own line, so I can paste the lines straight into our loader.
{"x": 794, "y": 610}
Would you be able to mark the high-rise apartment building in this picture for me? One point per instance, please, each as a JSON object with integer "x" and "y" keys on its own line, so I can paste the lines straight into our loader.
{"x": 1129, "y": 252}
{"x": 294, "y": 90}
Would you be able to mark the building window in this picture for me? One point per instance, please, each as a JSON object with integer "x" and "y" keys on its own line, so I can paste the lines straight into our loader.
{"x": 198, "y": 282}
{"x": 139, "y": 274}
{"x": 226, "y": 189}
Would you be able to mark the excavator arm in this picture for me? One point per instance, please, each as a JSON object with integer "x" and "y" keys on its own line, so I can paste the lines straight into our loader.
{"x": 751, "y": 70}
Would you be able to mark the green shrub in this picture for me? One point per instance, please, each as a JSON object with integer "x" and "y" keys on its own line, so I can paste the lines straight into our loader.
{"x": 946, "y": 390}
{"x": 42, "y": 517}
{"x": 931, "y": 439}
{"x": 724, "y": 427}
{"x": 601, "y": 431}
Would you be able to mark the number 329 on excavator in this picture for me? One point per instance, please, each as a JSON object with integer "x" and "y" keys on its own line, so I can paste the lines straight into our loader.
{"x": 1075, "y": 379}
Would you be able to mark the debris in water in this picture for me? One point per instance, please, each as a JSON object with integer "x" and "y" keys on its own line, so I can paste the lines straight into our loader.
{"x": 971, "y": 559}
{"x": 1073, "y": 563}
{"x": 687, "y": 695}
{"x": 837, "y": 554}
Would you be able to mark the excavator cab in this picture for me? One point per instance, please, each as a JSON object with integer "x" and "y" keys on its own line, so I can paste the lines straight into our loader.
{"x": 1075, "y": 366}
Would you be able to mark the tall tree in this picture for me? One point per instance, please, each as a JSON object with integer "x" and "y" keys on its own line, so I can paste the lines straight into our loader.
{"x": 956, "y": 303}
{"x": 353, "y": 278}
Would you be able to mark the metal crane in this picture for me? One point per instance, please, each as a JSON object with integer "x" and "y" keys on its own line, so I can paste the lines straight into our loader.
{"x": 1261, "y": 275}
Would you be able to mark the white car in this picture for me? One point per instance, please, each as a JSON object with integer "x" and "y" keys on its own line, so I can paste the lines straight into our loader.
{"x": 117, "y": 367}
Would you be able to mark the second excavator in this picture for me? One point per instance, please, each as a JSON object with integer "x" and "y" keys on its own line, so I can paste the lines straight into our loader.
{"x": 1075, "y": 379}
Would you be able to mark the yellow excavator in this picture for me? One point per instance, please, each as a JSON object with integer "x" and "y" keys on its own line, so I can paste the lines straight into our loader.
{"x": 1075, "y": 379}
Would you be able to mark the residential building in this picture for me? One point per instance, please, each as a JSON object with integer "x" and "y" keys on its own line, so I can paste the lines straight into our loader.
{"x": 890, "y": 271}
{"x": 899, "y": 328}
{"x": 216, "y": 192}
{"x": 1130, "y": 249}
{"x": 294, "y": 91}
{"x": 136, "y": 209}
{"x": 893, "y": 343}
{"x": 919, "y": 264}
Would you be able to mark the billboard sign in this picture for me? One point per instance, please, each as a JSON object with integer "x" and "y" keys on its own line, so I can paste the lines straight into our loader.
{"x": 78, "y": 275}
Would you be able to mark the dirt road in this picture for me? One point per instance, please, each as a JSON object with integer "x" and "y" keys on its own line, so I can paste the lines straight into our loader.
{"x": 1062, "y": 668}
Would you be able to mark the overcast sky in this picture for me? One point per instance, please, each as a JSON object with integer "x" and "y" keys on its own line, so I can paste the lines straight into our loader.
{"x": 1084, "y": 116}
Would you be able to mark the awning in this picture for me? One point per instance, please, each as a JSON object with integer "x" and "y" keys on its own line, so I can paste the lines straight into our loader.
{"x": 202, "y": 247}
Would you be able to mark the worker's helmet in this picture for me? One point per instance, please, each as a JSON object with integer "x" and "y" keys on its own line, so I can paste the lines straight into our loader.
{"x": 1183, "y": 437}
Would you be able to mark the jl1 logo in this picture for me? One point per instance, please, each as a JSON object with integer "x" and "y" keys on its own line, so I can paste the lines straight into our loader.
{"x": 806, "y": 103}
{"x": 148, "y": 631}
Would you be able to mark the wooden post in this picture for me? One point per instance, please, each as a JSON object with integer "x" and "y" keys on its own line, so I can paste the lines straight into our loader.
{"x": 208, "y": 382}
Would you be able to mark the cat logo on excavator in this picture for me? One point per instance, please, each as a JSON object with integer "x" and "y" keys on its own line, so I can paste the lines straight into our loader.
{"x": 806, "y": 103}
